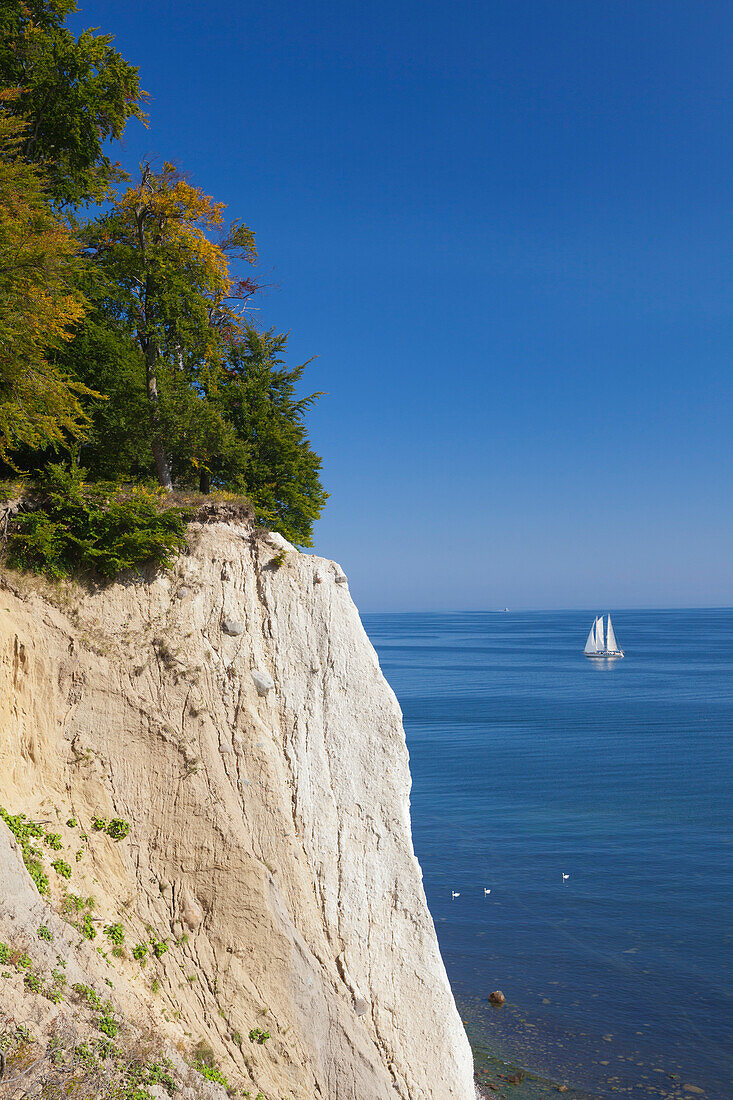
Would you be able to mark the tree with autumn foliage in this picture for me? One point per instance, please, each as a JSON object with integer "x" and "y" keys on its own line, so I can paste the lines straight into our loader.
{"x": 197, "y": 388}
{"x": 39, "y": 305}
{"x": 169, "y": 285}
{"x": 127, "y": 350}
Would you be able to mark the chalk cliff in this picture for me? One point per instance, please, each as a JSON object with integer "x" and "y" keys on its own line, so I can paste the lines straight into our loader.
{"x": 233, "y": 712}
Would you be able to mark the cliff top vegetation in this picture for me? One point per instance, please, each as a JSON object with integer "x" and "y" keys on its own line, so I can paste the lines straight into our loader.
{"x": 130, "y": 365}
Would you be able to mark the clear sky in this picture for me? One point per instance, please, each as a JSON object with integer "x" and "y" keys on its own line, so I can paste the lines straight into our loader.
{"x": 506, "y": 229}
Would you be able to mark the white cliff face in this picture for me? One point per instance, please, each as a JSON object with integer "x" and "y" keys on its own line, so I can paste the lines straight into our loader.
{"x": 233, "y": 711}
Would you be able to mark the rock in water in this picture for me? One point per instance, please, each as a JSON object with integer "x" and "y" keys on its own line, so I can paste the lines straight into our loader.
{"x": 497, "y": 997}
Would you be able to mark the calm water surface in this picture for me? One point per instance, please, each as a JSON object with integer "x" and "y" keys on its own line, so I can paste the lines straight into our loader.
{"x": 528, "y": 760}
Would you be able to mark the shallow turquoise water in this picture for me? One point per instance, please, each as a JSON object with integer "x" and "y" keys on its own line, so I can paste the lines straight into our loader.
{"x": 528, "y": 760}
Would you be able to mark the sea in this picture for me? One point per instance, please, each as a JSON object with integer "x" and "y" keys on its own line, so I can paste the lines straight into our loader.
{"x": 531, "y": 762}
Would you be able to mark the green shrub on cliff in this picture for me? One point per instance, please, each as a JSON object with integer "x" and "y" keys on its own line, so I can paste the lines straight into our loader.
{"x": 72, "y": 526}
{"x": 115, "y": 933}
{"x": 61, "y": 867}
{"x": 24, "y": 832}
{"x": 207, "y": 1069}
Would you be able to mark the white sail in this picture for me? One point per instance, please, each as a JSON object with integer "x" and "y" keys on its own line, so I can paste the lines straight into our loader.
{"x": 597, "y": 645}
{"x": 590, "y": 645}
{"x": 611, "y": 643}
{"x": 600, "y": 644}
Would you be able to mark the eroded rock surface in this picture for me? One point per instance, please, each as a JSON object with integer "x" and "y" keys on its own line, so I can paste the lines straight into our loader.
{"x": 270, "y": 842}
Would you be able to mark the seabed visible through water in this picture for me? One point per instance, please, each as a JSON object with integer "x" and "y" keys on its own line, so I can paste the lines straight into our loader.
{"x": 496, "y": 1073}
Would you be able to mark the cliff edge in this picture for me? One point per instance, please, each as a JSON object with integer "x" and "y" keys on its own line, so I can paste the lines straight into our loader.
{"x": 233, "y": 713}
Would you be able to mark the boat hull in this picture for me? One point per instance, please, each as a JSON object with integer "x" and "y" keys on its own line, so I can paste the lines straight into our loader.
{"x": 604, "y": 656}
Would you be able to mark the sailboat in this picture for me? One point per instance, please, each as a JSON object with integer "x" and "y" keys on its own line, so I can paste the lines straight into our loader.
{"x": 597, "y": 646}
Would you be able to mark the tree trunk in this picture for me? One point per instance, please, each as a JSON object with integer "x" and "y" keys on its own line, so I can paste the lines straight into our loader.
{"x": 162, "y": 468}
{"x": 158, "y": 448}
{"x": 204, "y": 481}
{"x": 150, "y": 351}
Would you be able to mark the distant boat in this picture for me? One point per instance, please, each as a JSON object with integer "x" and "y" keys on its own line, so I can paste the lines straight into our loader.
{"x": 597, "y": 646}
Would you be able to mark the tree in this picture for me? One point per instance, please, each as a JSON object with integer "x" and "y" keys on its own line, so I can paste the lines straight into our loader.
{"x": 75, "y": 93}
{"x": 170, "y": 285}
{"x": 39, "y": 404}
{"x": 103, "y": 356}
{"x": 257, "y": 397}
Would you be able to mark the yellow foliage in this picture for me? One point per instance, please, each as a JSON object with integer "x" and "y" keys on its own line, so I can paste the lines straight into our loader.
{"x": 178, "y": 217}
{"x": 39, "y": 304}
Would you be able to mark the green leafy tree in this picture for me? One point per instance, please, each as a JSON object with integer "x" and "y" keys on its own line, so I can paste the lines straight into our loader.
{"x": 257, "y": 397}
{"x": 168, "y": 284}
{"x": 116, "y": 444}
{"x": 39, "y": 305}
{"x": 75, "y": 93}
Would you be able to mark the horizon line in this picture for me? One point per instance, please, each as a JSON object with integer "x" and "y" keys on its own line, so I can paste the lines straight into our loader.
{"x": 539, "y": 610}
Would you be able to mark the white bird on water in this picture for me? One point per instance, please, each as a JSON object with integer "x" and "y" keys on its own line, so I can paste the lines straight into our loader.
{"x": 453, "y": 894}
{"x": 565, "y": 877}
{"x": 486, "y": 891}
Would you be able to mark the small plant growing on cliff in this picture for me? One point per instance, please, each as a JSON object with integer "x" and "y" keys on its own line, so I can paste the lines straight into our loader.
{"x": 276, "y": 561}
{"x": 71, "y": 823}
{"x": 75, "y": 904}
{"x": 158, "y": 947}
{"x": 53, "y": 840}
{"x": 44, "y": 933}
{"x": 24, "y": 832}
{"x": 115, "y": 933}
{"x": 32, "y": 982}
{"x": 257, "y": 1035}
{"x": 205, "y": 1065}
{"x": 118, "y": 829}
{"x": 107, "y": 1023}
{"x": 86, "y": 993}
{"x": 86, "y": 927}
{"x": 61, "y": 867}
{"x": 55, "y": 992}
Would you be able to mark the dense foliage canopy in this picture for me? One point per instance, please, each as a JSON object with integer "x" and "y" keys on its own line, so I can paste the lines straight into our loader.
{"x": 75, "y": 94}
{"x": 127, "y": 349}
{"x": 39, "y": 303}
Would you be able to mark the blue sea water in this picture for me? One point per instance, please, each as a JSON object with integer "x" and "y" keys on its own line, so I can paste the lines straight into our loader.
{"x": 529, "y": 760}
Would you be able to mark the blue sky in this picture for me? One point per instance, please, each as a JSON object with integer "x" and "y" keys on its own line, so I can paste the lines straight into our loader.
{"x": 506, "y": 230}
